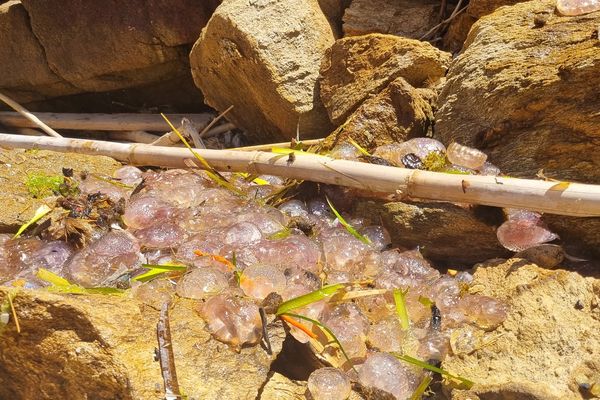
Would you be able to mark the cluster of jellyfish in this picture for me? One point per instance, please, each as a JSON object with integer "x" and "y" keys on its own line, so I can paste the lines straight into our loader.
{"x": 239, "y": 250}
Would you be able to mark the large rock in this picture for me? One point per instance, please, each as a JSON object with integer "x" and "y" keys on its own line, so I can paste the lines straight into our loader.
{"x": 447, "y": 233}
{"x": 18, "y": 205}
{"x": 527, "y": 94}
{"x": 263, "y": 58}
{"x": 102, "y": 347}
{"x": 397, "y": 113}
{"x": 408, "y": 18}
{"x": 358, "y": 67}
{"x": 549, "y": 346}
{"x": 56, "y": 48}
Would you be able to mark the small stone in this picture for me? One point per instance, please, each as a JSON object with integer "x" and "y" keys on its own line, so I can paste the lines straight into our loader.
{"x": 329, "y": 384}
{"x": 544, "y": 255}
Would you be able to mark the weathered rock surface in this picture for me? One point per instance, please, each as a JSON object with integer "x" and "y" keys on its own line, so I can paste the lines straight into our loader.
{"x": 397, "y": 113}
{"x": 18, "y": 205}
{"x": 263, "y": 57}
{"x": 102, "y": 347}
{"x": 358, "y": 67}
{"x": 56, "y": 48}
{"x": 446, "y": 232}
{"x": 408, "y": 18}
{"x": 479, "y": 8}
{"x": 526, "y": 95}
{"x": 548, "y": 345}
{"x": 579, "y": 236}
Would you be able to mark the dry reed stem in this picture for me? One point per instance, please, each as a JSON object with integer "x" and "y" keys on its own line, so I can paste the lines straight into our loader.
{"x": 561, "y": 198}
{"x": 24, "y": 112}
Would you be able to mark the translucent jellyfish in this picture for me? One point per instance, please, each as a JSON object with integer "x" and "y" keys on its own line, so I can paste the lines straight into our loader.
{"x": 242, "y": 234}
{"x": 385, "y": 372}
{"x": 404, "y": 269}
{"x": 421, "y": 147}
{"x": 154, "y": 293}
{"x": 128, "y": 175}
{"x": 486, "y": 312}
{"x": 268, "y": 221}
{"x": 329, "y": 384}
{"x": 320, "y": 208}
{"x": 489, "y": 169}
{"x": 232, "y": 320}
{"x": 105, "y": 259}
{"x": 378, "y": 235}
{"x": 465, "y": 156}
{"x": 92, "y": 185}
{"x": 259, "y": 280}
{"x": 465, "y": 340}
{"x": 350, "y": 326}
{"x": 292, "y": 251}
{"x": 145, "y": 211}
{"x": 294, "y": 208}
{"x": 200, "y": 283}
{"x": 163, "y": 235}
{"x": 386, "y": 335}
{"x": 343, "y": 251}
{"x": 434, "y": 346}
{"x": 577, "y": 7}
{"x": 345, "y": 151}
{"x": 524, "y": 229}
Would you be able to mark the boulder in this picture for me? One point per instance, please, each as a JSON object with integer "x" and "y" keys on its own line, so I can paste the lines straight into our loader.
{"x": 549, "y": 346}
{"x": 18, "y": 205}
{"x": 397, "y": 113}
{"x": 447, "y": 233}
{"x": 57, "y": 48}
{"x": 408, "y": 18}
{"x": 358, "y": 67}
{"x": 526, "y": 94}
{"x": 262, "y": 57}
{"x": 102, "y": 347}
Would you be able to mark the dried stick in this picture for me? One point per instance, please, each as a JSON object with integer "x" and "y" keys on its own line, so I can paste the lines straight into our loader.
{"x": 133, "y": 136}
{"x": 575, "y": 199}
{"x": 166, "y": 356}
{"x": 217, "y": 130}
{"x": 24, "y": 112}
{"x": 269, "y": 146}
{"x": 457, "y": 10}
{"x": 214, "y": 121}
{"x": 102, "y": 122}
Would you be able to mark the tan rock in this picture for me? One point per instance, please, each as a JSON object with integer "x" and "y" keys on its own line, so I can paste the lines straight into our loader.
{"x": 408, "y": 18}
{"x": 527, "y": 95}
{"x": 18, "y": 205}
{"x": 102, "y": 347}
{"x": 57, "y": 48}
{"x": 262, "y": 57}
{"x": 479, "y": 8}
{"x": 548, "y": 345}
{"x": 446, "y": 232}
{"x": 24, "y": 68}
{"x": 395, "y": 114}
{"x": 357, "y": 67}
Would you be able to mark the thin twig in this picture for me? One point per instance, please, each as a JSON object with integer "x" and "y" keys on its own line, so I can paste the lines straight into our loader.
{"x": 14, "y": 313}
{"x": 24, "y": 112}
{"x": 166, "y": 356}
{"x": 217, "y": 130}
{"x": 214, "y": 121}
{"x": 263, "y": 318}
{"x": 457, "y": 11}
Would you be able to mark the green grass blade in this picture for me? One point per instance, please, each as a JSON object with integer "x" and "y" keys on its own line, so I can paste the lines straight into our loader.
{"x": 326, "y": 329}
{"x": 420, "y": 390}
{"x": 51, "y": 277}
{"x": 400, "y": 301}
{"x": 39, "y": 214}
{"x": 210, "y": 171}
{"x": 359, "y": 147}
{"x": 156, "y": 270}
{"x": 309, "y": 298}
{"x": 346, "y": 225}
{"x": 419, "y": 363}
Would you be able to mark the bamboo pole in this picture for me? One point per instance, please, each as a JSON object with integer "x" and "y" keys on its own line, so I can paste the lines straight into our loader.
{"x": 573, "y": 199}
{"x": 24, "y": 113}
{"x": 102, "y": 122}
